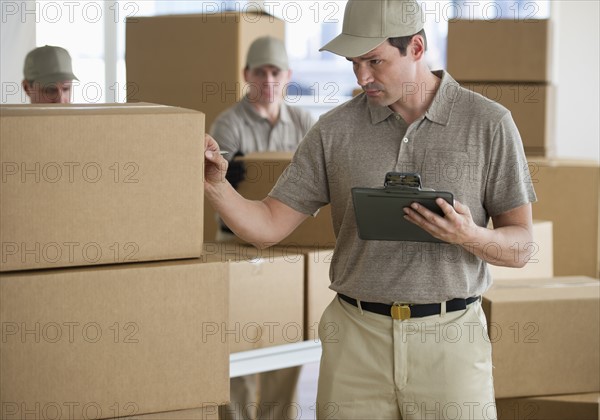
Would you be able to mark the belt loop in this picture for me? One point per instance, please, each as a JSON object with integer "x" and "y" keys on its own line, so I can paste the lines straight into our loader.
{"x": 358, "y": 305}
{"x": 443, "y": 308}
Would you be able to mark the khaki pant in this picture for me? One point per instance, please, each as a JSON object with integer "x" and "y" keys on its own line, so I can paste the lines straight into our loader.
{"x": 265, "y": 396}
{"x": 375, "y": 367}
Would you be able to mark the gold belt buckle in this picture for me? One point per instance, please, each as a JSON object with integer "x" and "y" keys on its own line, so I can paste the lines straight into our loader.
{"x": 400, "y": 311}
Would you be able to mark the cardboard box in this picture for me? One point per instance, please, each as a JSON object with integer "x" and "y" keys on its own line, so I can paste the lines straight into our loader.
{"x": 98, "y": 184}
{"x": 205, "y": 413}
{"x": 261, "y": 172}
{"x": 569, "y": 195}
{"x": 532, "y": 108}
{"x": 555, "y": 407}
{"x": 541, "y": 263}
{"x": 506, "y": 50}
{"x": 545, "y": 335}
{"x": 193, "y": 61}
{"x": 317, "y": 294}
{"x": 110, "y": 341}
{"x": 266, "y": 295}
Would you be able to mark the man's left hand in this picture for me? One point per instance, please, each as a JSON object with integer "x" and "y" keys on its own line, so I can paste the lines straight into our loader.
{"x": 456, "y": 227}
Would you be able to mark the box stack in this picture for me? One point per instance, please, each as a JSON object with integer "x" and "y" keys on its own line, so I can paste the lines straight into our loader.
{"x": 508, "y": 61}
{"x": 193, "y": 61}
{"x": 84, "y": 190}
{"x": 545, "y": 344}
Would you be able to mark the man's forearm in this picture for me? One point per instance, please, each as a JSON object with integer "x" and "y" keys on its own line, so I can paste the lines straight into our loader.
{"x": 261, "y": 223}
{"x": 508, "y": 246}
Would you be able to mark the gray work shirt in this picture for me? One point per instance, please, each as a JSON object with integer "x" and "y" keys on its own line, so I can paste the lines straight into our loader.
{"x": 241, "y": 129}
{"x": 465, "y": 144}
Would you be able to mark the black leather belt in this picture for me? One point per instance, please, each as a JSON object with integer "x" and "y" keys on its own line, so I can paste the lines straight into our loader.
{"x": 406, "y": 311}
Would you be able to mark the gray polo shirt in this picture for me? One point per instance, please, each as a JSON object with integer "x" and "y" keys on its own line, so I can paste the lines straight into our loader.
{"x": 241, "y": 128}
{"x": 465, "y": 144}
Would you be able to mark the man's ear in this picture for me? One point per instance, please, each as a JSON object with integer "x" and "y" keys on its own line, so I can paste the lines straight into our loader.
{"x": 245, "y": 73}
{"x": 26, "y": 87}
{"x": 417, "y": 47}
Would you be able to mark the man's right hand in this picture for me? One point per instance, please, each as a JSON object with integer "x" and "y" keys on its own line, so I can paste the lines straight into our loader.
{"x": 215, "y": 165}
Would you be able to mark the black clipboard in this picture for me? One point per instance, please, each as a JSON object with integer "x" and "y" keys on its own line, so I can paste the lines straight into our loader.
{"x": 379, "y": 211}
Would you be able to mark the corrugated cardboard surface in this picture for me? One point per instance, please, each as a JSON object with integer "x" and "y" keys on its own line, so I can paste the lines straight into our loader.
{"x": 266, "y": 295}
{"x": 556, "y": 407}
{"x": 532, "y": 108}
{"x": 568, "y": 194}
{"x": 98, "y": 184}
{"x": 541, "y": 263}
{"x": 545, "y": 335}
{"x": 317, "y": 294}
{"x": 506, "y": 50}
{"x": 109, "y": 341}
{"x": 206, "y": 413}
{"x": 261, "y": 172}
{"x": 194, "y": 61}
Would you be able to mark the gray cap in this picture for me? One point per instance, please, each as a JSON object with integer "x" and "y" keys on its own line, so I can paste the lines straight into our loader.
{"x": 48, "y": 64}
{"x": 368, "y": 23}
{"x": 267, "y": 51}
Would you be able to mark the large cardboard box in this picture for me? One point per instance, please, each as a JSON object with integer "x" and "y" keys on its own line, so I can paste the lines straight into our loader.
{"x": 266, "y": 296}
{"x": 553, "y": 407}
{"x": 97, "y": 184}
{"x": 193, "y": 61}
{"x": 261, "y": 171}
{"x": 568, "y": 194}
{"x": 505, "y": 50}
{"x": 532, "y": 108}
{"x": 541, "y": 251}
{"x": 545, "y": 336}
{"x": 100, "y": 342}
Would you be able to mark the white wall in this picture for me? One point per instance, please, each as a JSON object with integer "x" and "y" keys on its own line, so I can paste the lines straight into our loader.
{"x": 576, "y": 72}
{"x": 17, "y": 38}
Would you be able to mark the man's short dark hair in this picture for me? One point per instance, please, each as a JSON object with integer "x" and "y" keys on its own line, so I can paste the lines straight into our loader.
{"x": 402, "y": 42}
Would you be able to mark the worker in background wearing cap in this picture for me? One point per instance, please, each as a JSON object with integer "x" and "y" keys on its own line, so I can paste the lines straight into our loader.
{"x": 260, "y": 122}
{"x": 48, "y": 75}
{"x": 406, "y": 336}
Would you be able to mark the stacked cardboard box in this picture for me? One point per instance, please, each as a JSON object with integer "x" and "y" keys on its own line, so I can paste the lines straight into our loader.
{"x": 317, "y": 294}
{"x": 83, "y": 188}
{"x": 568, "y": 194}
{"x": 99, "y": 184}
{"x": 545, "y": 336}
{"x": 508, "y": 61}
{"x": 266, "y": 295}
{"x": 193, "y": 61}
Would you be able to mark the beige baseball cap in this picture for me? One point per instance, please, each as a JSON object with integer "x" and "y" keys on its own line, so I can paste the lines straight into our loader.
{"x": 267, "y": 51}
{"x": 368, "y": 23}
{"x": 48, "y": 64}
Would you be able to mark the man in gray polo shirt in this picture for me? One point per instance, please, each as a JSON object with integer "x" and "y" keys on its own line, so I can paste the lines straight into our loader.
{"x": 406, "y": 336}
{"x": 261, "y": 122}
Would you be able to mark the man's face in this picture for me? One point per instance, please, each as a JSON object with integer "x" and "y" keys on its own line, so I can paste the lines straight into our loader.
{"x": 385, "y": 75}
{"x": 266, "y": 84}
{"x": 53, "y": 93}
